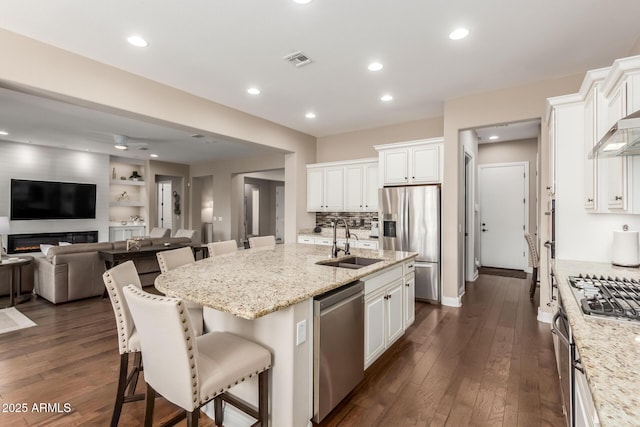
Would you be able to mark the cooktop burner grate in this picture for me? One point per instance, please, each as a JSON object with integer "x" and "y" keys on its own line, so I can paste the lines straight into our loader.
{"x": 607, "y": 296}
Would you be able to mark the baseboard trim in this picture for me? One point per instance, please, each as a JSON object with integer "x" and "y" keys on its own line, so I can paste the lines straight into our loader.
{"x": 544, "y": 316}
{"x": 452, "y": 302}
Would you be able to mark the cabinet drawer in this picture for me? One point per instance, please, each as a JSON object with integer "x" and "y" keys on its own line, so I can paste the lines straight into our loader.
{"x": 409, "y": 267}
{"x": 324, "y": 241}
{"x": 367, "y": 244}
{"x": 375, "y": 282}
{"x": 306, "y": 240}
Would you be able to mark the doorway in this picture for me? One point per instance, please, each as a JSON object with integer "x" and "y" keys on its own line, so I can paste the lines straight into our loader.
{"x": 504, "y": 214}
{"x": 280, "y": 213}
{"x": 164, "y": 217}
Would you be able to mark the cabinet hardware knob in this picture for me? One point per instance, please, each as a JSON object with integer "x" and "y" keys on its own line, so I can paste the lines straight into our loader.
{"x": 405, "y": 177}
{"x": 360, "y": 205}
{"x": 589, "y": 200}
{"x": 618, "y": 197}
{"x": 407, "y": 285}
{"x": 548, "y": 187}
{"x": 413, "y": 177}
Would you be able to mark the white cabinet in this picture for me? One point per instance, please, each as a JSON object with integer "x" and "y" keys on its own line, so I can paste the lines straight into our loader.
{"x": 409, "y": 295}
{"x": 125, "y": 232}
{"x": 590, "y": 192}
{"x": 384, "y": 321}
{"x": 585, "y": 411}
{"x": 621, "y": 93}
{"x": 413, "y": 162}
{"x": 366, "y": 244}
{"x": 617, "y": 167}
{"x": 343, "y": 186}
{"x": 384, "y": 312}
{"x": 325, "y": 190}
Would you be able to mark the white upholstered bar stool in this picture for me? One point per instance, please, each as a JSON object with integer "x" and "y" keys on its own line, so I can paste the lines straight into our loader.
{"x": 221, "y": 248}
{"x": 535, "y": 263}
{"x": 190, "y": 371}
{"x": 115, "y": 280}
{"x": 262, "y": 241}
{"x": 168, "y": 260}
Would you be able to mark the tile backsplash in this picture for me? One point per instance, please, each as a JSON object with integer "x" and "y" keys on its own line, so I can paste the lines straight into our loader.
{"x": 356, "y": 220}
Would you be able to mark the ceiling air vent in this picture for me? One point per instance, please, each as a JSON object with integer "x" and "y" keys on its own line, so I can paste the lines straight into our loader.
{"x": 297, "y": 58}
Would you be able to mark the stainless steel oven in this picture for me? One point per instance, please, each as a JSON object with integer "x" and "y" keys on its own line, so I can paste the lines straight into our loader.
{"x": 565, "y": 353}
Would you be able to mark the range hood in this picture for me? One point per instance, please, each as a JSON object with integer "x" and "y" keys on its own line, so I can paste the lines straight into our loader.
{"x": 623, "y": 139}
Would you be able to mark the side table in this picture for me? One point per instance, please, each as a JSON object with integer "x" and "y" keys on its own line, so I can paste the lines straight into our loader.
{"x": 14, "y": 264}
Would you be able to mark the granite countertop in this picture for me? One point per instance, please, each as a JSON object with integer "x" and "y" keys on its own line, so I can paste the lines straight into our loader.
{"x": 363, "y": 234}
{"x": 255, "y": 282}
{"x": 609, "y": 349}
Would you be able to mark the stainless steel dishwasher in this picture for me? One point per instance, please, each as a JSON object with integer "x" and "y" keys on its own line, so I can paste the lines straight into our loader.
{"x": 338, "y": 346}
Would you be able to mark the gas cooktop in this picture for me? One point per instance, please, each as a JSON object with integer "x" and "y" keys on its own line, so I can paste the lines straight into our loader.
{"x": 613, "y": 298}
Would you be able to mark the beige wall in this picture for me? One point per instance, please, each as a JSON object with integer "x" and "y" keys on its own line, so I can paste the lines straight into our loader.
{"x": 37, "y": 68}
{"x": 635, "y": 50}
{"x": 359, "y": 144}
{"x": 525, "y": 150}
{"x": 501, "y": 106}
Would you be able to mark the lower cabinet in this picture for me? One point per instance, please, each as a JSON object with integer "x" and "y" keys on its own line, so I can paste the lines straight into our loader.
{"x": 383, "y": 320}
{"x": 409, "y": 300}
{"x": 125, "y": 232}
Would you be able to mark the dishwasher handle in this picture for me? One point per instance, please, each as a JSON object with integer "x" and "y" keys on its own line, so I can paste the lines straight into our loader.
{"x": 324, "y": 301}
{"x": 331, "y": 308}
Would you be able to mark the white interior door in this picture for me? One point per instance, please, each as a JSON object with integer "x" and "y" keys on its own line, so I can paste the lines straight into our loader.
{"x": 503, "y": 191}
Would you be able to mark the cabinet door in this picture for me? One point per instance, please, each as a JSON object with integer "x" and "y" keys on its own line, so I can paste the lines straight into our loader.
{"x": 395, "y": 166}
{"x": 394, "y": 315}
{"x": 551, "y": 187}
{"x": 334, "y": 188}
{"x": 367, "y": 244}
{"x": 353, "y": 188}
{"x": 137, "y": 231}
{"x": 409, "y": 300}
{"x": 371, "y": 187}
{"x": 589, "y": 193}
{"x": 315, "y": 189}
{"x": 425, "y": 164}
{"x": 374, "y": 326}
{"x": 617, "y": 166}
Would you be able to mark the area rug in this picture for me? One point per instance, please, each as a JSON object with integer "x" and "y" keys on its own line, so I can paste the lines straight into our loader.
{"x": 12, "y": 320}
{"x": 519, "y": 274}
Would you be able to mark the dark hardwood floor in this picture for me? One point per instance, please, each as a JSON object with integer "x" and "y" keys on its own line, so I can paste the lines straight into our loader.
{"x": 489, "y": 363}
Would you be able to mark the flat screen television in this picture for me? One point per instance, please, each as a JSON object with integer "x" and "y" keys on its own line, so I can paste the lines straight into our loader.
{"x": 52, "y": 200}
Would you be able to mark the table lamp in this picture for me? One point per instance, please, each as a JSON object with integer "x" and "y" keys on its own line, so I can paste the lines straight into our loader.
{"x": 4, "y": 229}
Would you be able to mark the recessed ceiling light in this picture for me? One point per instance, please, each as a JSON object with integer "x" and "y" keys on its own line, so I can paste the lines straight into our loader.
{"x": 310, "y": 115}
{"x": 459, "y": 33}
{"x": 302, "y": 1}
{"x": 253, "y": 91}
{"x": 4, "y": 132}
{"x": 153, "y": 155}
{"x": 137, "y": 41}
{"x": 493, "y": 137}
{"x": 386, "y": 98}
{"x": 375, "y": 66}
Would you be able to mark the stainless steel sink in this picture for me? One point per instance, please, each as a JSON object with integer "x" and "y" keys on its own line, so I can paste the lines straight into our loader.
{"x": 353, "y": 262}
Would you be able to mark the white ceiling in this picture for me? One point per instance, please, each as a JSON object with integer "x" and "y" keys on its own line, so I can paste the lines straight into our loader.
{"x": 218, "y": 49}
{"x": 509, "y": 132}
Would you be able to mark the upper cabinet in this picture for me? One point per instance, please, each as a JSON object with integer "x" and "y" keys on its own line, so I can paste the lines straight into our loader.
{"x": 620, "y": 96}
{"x": 413, "y": 162}
{"x": 325, "y": 190}
{"x": 350, "y": 186}
{"x": 594, "y": 128}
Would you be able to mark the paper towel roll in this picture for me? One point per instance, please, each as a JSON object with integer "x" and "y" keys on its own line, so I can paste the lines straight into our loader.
{"x": 625, "y": 249}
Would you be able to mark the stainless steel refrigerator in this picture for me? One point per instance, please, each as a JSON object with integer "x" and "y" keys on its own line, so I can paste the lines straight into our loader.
{"x": 410, "y": 221}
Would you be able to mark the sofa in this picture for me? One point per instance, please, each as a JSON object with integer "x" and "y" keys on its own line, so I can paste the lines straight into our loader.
{"x": 69, "y": 273}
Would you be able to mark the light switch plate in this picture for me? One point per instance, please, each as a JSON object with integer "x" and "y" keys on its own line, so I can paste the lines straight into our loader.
{"x": 301, "y": 332}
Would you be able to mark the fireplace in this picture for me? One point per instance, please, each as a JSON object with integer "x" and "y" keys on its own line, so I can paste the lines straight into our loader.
{"x": 24, "y": 243}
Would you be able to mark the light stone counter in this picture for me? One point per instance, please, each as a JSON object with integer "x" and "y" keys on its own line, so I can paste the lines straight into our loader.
{"x": 609, "y": 349}
{"x": 255, "y": 282}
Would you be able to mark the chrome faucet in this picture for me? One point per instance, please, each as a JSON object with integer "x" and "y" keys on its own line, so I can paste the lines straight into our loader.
{"x": 347, "y": 234}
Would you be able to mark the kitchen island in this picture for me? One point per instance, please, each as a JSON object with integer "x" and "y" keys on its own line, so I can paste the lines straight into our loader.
{"x": 609, "y": 349}
{"x": 266, "y": 294}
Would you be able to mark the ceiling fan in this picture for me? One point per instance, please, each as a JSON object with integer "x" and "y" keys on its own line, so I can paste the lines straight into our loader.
{"x": 123, "y": 142}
